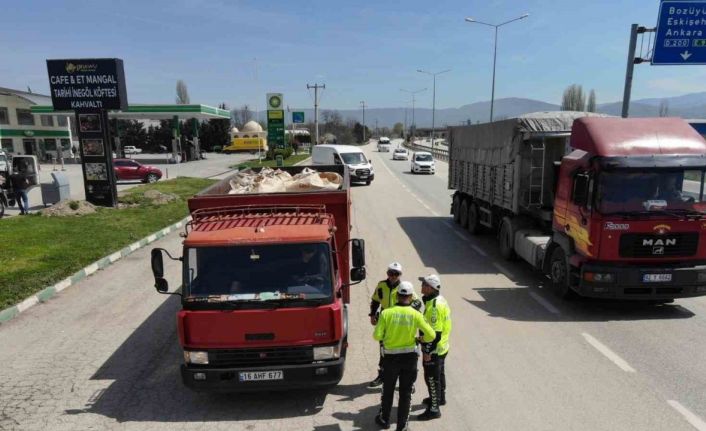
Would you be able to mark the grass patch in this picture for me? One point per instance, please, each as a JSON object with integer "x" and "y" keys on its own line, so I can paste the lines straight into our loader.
{"x": 255, "y": 163}
{"x": 39, "y": 251}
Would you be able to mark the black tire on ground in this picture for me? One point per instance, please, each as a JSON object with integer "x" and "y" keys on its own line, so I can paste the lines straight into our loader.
{"x": 506, "y": 239}
{"x": 367, "y": 183}
{"x": 474, "y": 226}
{"x": 151, "y": 178}
{"x": 463, "y": 213}
{"x": 456, "y": 207}
{"x": 559, "y": 275}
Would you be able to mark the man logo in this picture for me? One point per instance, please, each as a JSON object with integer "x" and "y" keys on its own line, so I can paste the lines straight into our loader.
{"x": 658, "y": 250}
{"x": 650, "y": 242}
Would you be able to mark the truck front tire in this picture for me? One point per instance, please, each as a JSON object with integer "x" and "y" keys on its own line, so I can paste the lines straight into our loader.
{"x": 506, "y": 239}
{"x": 559, "y": 274}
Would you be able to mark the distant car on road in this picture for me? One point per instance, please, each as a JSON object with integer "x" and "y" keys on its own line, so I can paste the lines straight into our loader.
{"x": 129, "y": 149}
{"x": 423, "y": 163}
{"x": 384, "y": 145}
{"x": 130, "y": 170}
{"x": 400, "y": 154}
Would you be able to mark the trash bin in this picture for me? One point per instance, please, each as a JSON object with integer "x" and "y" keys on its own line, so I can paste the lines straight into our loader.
{"x": 57, "y": 190}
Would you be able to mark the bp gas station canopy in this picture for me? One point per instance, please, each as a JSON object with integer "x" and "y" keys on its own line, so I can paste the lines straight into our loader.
{"x": 153, "y": 112}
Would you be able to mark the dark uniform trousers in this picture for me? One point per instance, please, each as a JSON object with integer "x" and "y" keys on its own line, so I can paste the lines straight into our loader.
{"x": 404, "y": 367}
{"x": 435, "y": 377}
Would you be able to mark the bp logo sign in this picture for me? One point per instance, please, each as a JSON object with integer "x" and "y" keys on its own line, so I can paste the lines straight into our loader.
{"x": 274, "y": 101}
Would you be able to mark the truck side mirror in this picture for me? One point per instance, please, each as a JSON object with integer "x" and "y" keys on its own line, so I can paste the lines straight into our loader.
{"x": 358, "y": 253}
{"x": 157, "y": 263}
{"x": 161, "y": 285}
{"x": 358, "y": 274}
{"x": 581, "y": 189}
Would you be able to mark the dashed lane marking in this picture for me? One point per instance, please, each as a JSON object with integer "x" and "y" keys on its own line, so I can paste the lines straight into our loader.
{"x": 479, "y": 250}
{"x": 617, "y": 360}
{"x": 459, "y": 234}
{"x": 544, "y": 303}
{"x": 693, "y": 419}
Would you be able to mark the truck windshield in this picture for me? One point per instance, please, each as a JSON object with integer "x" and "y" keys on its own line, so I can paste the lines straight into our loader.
{"x": 279, "y": 272}
{"x": 639, "y": 191}
{"x": 353, "y": 158}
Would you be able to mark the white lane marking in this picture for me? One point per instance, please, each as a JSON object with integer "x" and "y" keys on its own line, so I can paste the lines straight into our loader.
{"x": 504, "y": 270}
{"x": 479, "y": 250}
{"x": 694, "y": 420}
{"x": 544, "y": 303}
{"x": 617, "y": 360}
{"x": 424, "y": 204}
{"x": 459, "y": 234}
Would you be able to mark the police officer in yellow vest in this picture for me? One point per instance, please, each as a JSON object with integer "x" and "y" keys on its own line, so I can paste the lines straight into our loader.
{"x": 385, "y": 296}
{"x": 438, "y": 314}
{"x": 397, "y": 328}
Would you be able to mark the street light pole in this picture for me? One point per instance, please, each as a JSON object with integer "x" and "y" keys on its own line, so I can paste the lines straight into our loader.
{"x": 362, "y": 104}
{"x": 433, "y": 100}
{"x": 495, "y": 53}
{"x": 413, "y": 93}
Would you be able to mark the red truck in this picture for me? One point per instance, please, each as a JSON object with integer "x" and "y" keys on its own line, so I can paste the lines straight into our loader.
{"x": 265, "y": 288}
{"x": 606, "y": 207}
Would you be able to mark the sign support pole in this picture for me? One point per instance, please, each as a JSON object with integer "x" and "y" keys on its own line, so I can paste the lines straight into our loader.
{"x": 629, "y": 71}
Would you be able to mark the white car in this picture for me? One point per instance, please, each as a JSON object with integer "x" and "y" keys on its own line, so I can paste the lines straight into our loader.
{"x": 129, "y": 149}
{"x": 423, "y": 163}
{"x": 400, "y": 154}
{"x": 384, "y": 145}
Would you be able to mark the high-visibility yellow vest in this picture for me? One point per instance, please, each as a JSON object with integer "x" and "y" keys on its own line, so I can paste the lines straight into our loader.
{"x": 438, "y": 314}
{"x": 397, "y": 328}
{"x": 387, "y": 296}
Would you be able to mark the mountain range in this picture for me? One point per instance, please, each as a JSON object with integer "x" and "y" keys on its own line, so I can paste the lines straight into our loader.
{"x": 686, "y": 106}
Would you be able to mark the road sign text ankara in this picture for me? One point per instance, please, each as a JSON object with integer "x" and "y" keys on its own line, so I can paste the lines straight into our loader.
{"x": 681, "y": 33}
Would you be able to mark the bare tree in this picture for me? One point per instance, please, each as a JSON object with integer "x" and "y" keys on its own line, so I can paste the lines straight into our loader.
{"x": 664, "y": 108}
{"x": 246, "y": 114}
{"x": 573, "y": 99}
{"x": 182, "y": 93}
{"x": 591, "y": 104}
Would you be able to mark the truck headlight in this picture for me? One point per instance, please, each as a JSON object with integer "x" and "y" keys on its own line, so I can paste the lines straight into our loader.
{"x": 599, "y": 277}
{"x": 197, "y": 358}
{"x": 322, "y": 353}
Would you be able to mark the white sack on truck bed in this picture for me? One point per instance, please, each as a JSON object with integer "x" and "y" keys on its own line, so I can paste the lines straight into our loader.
{"x": 277, "y": 181}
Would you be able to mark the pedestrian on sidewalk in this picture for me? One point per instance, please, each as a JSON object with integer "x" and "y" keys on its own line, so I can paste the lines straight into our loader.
{"x": 20, "y": 185}
{"x": 438, "y": 315}
{"x": 397, "y": 328}
{"x": 385, "y": 296}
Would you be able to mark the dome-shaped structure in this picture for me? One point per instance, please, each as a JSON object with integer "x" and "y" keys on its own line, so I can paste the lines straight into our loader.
{"x": 252, "y": 127}
{"x": 234, "y": 130}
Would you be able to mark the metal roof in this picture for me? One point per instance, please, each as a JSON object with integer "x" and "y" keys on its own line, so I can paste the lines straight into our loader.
{"x": 154, "y": 112}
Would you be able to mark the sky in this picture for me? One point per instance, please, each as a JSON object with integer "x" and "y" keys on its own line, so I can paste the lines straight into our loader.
{"x": 235, "y": 51}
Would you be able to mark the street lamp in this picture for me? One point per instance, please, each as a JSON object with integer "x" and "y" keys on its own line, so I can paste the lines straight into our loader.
{"x": 495, "y": 51}
{"x": 362, "y": 104}
{"x": 433, "y": 98}
{"x": 414, "y": 125}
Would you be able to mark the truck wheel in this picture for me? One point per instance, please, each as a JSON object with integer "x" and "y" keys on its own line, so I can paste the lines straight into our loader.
{"x": 474, "y": 226}
{"x": 463, "y": 213}
{"x": 506, "y": 238}
{"x": 456, "y": 207}
{"x": 559, "y": 274}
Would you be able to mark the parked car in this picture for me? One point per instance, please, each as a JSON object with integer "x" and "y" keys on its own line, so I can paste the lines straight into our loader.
{"x": 423, "y": 163}
{"x": 130, "y": 170}
{"x": 400, "y": 154}
{"x": 384, "y": 145}
{"x": 129, "y": 149}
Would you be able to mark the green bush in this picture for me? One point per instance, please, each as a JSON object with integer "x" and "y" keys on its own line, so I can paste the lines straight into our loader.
{"x": 217, "y": 148}
{"x": 286, "y": 153}
{"x": 73, "y": 205}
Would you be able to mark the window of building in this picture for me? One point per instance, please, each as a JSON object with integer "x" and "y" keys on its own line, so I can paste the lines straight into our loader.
{"x": 65, "y": 143}
{"x": 50, "y": 144}
{"x": 25, "y": 117}
{"x": 4, "y": 116}
{"x": 6, "y": 144}
{"x": 61, "y": 121}
{"x": 47, "y": 120}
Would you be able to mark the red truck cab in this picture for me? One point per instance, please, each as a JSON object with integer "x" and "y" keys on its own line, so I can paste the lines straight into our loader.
{"x": 266, "y": 288}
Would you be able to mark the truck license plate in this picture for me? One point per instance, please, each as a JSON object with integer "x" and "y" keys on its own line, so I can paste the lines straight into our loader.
{"x": 656, "y": 278}
{"x": 251, "y": 376}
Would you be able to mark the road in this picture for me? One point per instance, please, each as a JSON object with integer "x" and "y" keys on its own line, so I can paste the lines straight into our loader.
{"x": 214, "y": 164}
{"x": 104, "y": 355}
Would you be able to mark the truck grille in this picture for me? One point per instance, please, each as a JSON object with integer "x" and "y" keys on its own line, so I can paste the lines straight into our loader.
{"x": 648, "y": 245}
{"x": 261, "y": 357}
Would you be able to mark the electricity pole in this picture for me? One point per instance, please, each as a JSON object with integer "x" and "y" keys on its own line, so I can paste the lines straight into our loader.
{"x": 316, "y": 109}
{"x": 413, "y": 93}
{"x": 362, "y": 104}
{"x": 433, "y": 103}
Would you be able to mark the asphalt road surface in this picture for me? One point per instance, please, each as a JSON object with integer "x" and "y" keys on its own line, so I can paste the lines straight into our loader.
{"x": 104, "y": 354}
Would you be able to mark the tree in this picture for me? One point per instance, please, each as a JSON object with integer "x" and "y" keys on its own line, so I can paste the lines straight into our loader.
{"x": 182, "y": 93}
{"x": 664, "y": 108}
{"x": 398, "y": 129}
{"x": 573, "y": 99}
{"x": 591, "y": 104}
{"x": 215, "y": 132}
{"x": 244, "y": 115}
{"x": 358, "y": 132}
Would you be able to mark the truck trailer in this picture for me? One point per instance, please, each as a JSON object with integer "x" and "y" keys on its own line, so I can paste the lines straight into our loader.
{"x": 265, "y": 291}
{"x": 605, "y": 207}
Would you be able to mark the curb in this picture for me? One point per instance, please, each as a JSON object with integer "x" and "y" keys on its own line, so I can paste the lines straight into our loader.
{"x": 51, "y": 291}
{"x": 303, "y": 162}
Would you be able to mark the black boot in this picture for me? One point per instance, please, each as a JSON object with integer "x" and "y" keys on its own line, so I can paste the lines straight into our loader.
{"x": 427, "y": 401}
{"x": 429, "y": 414}
{"x": 377, "y": 382}
{"x": 382, "y": 422}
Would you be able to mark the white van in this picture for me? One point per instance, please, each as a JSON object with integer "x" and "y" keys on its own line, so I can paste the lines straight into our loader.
{"x": 384, "y": 145}
{"x": 359, "y": 167}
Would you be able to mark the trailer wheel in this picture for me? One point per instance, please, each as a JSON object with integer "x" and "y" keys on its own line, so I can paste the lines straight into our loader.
{"x": 463, "y": 213}
{"x": 506, "y": 238}
{"x": 455, "y": 208}
{"x": 559, "y": 274}
{"x": 474, "y": 226}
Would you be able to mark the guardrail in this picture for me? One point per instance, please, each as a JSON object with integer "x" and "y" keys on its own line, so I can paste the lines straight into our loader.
{"x": 437, "y": 153}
